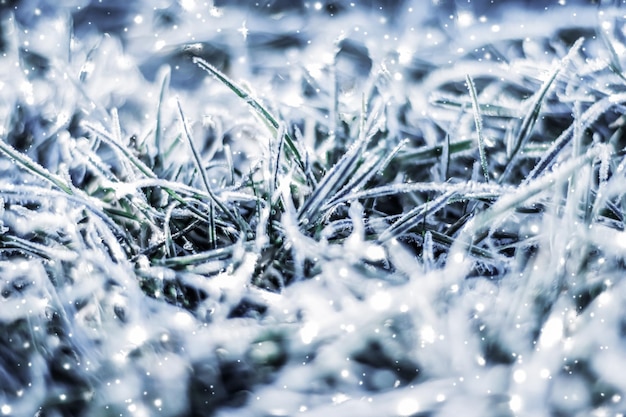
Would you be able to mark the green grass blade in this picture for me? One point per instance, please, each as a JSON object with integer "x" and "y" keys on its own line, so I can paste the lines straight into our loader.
{"x": 427, "y": 154}
{"x": 27, "y": 163}
{"x": 593, "y": 113}
{"x": 614, "y": 57}
{"x": 265, "y": 114}
{"x": 364, "y": 173}
{"x": 201, "y": 257}
{"x": 445, "y": 159}
{"x": 466, "y": 191}
{"x": 205, "y": 181}
{"x": 159, "y": 116}
{"x": 415, "y": 216}
{"x": 280, "y": 136}
{"x": 524, "y": 194}
{"x": 479, "y": 126}
{"x": 339, "y": 175}
{"x": 48, "y": 251}
{"x": 100, "y": 132}
{"x": 535, "y": 108}
{"x": 491, "y": 110}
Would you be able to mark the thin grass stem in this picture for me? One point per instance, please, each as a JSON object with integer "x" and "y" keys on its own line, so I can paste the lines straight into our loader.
{"x": 266, "y": 116}
{"x": 479, "y": 127}
{"x": 205, "y": 181}
{"x": 30, "y": 165}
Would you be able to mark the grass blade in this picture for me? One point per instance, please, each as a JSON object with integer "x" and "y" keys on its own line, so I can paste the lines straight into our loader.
{"x": 595, "y": 111}
{"x": 427, "y": 154}
{"x": 205, "y": 181}
{"x": 614, "y": 57}
{"x": 535, "y": 108}
{"x": 27, "y": 163}
{"x": 265, "y": 114}
{"x": 468, "y": 190}
{"x": 415, "y": 216}
{"x": 101, "y": 133}
{"x": 371, "y": 167}
{"x": 479, "y": 126}
{"x": 339, "y": 175}
{"x": 159, "y": 116}
{"x": 492, "y": 110}
{"x": 526, "y": 193}
{"x": 276, "y": 169}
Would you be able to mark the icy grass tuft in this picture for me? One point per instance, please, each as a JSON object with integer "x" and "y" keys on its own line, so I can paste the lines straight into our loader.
{"x": 312, "y": 209}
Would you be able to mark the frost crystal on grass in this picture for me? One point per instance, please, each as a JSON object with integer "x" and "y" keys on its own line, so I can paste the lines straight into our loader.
{"x": 386, "y": 207}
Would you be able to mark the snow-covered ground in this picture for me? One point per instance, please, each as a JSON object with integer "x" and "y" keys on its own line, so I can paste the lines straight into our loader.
{"x": 285, "y": 208}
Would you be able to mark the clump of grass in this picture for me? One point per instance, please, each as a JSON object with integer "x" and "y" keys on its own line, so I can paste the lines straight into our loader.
{"x": 414, "y": 236}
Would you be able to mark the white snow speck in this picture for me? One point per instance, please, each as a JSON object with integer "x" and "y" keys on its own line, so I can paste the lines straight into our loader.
{"x": 308, "y": 332}
{"x": 552, "y": 332}
{"x": 188, "y": 5}
{"x": 375, "y": 253}
{"x": 465, "y": 18}
{"x": 380, "y": 301}
{"x": 407, "y": 407}
{"x": 137, "y": 335}
{"x": 428, "y": 335}
{"x": 515, "y": 403}
{"x": 340, "y": 398}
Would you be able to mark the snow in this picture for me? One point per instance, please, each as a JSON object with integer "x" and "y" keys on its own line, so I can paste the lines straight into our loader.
{"x": 349, "y": 282}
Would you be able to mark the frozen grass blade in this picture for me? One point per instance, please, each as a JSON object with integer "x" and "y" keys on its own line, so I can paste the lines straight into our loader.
{"x": 467, "y": 190}
{"x": 159, "y": 116}
{"x": 222, "y": 253}
{"x": 29, "y": 165}
{"x": 51, "y": 253}
{"x": 529, "y": 121}
{"x": 229, "y": 163}
{"x": 591, "y": 115}
{"x": 479, "y": 127}
{"x": 205, "y": 181}
{"x": 339, "y": 175}
{"x": 394, "y": 152}
{"x": 117, "y": 136}
{"x": 265, "y": 114}
{"x": 445, "y": 159}
{"x": 492, "y": 110}
{"x": 428, "y": 256}
{"x": 359, "y": 178}
{"x": 449, "y": 242}
{"x": 427, "y": 153}
{"x": 111, "y": 231}
{"x": 152, "y": 176}
{"x": 181, "y": 190}
{"x": 614, "y": 62}
{"x": 280, "y": 137}
{"x": 535, "y": 108}
{"x": 415, "y": 216}
{"x": 525, "y": 194}
{"x": 371, "y": 167}
{"x": 101, "y": 133}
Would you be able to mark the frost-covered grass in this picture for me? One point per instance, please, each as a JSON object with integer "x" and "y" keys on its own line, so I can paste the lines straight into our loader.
{"x": 309, "y": 208}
